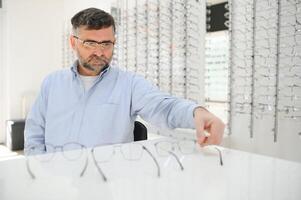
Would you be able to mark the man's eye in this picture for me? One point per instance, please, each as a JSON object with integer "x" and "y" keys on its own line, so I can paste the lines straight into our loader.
{"x": 106, "y": 44}
{"x": 91, "y": 44}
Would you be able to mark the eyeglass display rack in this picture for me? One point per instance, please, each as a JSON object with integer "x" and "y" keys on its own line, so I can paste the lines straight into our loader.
{"x": 217, "y": 59}
{"x": 217, "y": 74}
{"x": 265, "y": 56}
{"x": 67, "y": 55}
{"x": 159, "y": 40}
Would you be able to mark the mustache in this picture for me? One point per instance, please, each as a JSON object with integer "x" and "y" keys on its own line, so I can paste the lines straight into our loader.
{"x": 101, "y": 58}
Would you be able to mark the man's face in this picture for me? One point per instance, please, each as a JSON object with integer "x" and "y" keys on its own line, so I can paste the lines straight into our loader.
{"x": 93, "y": 57}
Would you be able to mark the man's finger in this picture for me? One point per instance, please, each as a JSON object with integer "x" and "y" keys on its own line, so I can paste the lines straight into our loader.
{"x": 200, "y": 132}
{"x": 203, "y": 142}
{"x": 210, "y": 141}
{"x": 217, "y": 130}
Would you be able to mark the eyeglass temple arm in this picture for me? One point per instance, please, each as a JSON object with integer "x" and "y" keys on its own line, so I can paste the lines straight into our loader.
{"x": 98, "y": 168}
{"x": 154, "y": 159}
{"x": 177, "y": 159}
{"x": 85, "y": 167}
{"x": 29, "y": 169}
{"x": 220, "y": 156}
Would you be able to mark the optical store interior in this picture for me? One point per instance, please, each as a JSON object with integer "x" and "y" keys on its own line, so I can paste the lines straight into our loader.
{"x": 238, "y": 59}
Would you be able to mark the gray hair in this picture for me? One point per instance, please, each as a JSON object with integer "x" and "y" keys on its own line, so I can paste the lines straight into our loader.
{"x": 93, "y": 19}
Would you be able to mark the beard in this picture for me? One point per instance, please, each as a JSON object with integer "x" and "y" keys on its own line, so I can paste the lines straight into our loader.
{"x": 94, "y": 63}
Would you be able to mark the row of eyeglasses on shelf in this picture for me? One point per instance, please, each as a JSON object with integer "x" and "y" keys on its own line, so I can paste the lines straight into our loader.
{"x": 73, "y": 151}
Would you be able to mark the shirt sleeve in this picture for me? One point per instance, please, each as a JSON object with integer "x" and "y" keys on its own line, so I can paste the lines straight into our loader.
{"x": 34, "y": 132}
{"x": 159, "y": 108}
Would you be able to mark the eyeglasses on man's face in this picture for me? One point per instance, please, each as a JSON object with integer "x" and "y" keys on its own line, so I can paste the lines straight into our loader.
{"x": 93, "y": 45}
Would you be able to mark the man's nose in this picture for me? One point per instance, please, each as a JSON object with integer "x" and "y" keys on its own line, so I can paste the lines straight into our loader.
{"x": 98, "y": 52}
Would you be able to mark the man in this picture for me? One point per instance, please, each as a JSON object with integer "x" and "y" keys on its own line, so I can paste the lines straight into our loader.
{"x": 94, "y": 103}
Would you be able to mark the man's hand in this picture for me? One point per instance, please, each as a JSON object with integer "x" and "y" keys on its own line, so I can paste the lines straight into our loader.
{"x": 209, "y": 128}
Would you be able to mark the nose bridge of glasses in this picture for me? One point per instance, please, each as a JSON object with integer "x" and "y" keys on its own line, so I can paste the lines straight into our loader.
{"x": 97, "y": 48}
{"x": 128, "y": 151}
{"x": 95, "y": 45}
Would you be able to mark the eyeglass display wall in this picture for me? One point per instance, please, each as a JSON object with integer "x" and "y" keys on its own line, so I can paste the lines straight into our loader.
{"x": 217, "y": 74}
{"x": 68, "y": 56}
{"x": 265, "y": 78}
{"x": 161, "y": 40}
{"x": 217, "y": 59}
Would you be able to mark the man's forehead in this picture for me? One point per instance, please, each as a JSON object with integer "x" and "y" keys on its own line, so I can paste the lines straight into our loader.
{"x": 95, "y": 33}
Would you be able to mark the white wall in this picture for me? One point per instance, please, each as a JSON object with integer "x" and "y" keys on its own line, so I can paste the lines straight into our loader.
{"x": 32, "y": 41}
{"x": 73, "y": 6}
{"x": 288, "y": 145}
{"x": 2, "y": 61}
{"x": 30, "y": 47}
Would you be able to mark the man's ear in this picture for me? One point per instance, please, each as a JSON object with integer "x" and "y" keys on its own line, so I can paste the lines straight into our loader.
{"x": 72, "y": 42}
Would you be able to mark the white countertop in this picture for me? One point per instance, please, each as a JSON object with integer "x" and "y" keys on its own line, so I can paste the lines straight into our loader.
{"x": 243, "y": 176}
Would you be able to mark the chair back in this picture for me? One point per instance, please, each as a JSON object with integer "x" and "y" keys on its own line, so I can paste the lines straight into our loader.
{"x": 140, "y": 131}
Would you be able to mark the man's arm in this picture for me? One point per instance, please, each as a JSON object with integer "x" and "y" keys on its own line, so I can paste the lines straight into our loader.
{"x": 159, "y": 108}
{"x": 34, "y": 133}
{"x": 167, "y": 111}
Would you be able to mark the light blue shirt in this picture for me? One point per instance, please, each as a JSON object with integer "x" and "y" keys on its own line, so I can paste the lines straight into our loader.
{"x": 65, "y": 112}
